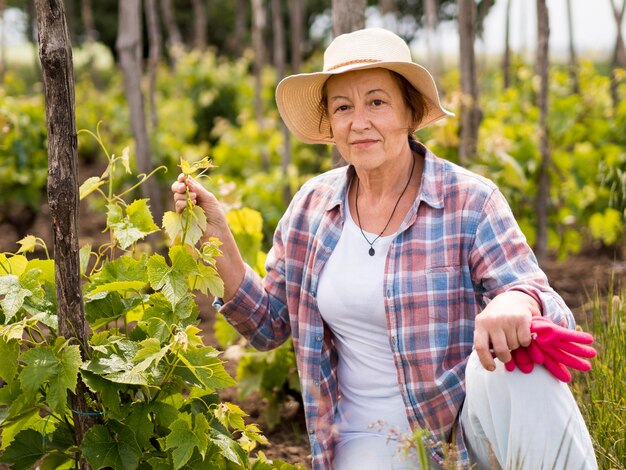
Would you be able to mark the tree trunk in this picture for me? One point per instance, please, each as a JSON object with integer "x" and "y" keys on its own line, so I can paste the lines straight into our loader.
{"x": 154, "y": 38}
{"x": 56, "y": 58}
{"x": 431, "y": 24}
{"x": 573, "y": 61}
{"x": 389, "y": 12}
{"x": 86, "y": 12}
{"x": 258, "y": 28}
{"x": 129, "y": 48}
{"x": 348, "y": 16}
{"x": 506, "y": 60}
{"x": 200, "y": 23}
{"x": 543, "y": 193}
{"x": 619, "y": 51}
{"x": 174, "y": 38}
{"x": 238, "y": 41}
{"x": 296, "y": 14}
{"x": 32, "y": 33}
{"x": 470, "y": 111}
{"x": 280, "y": 64}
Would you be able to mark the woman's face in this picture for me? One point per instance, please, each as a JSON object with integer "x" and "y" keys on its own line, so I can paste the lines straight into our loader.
{"x": 369, "y": 119}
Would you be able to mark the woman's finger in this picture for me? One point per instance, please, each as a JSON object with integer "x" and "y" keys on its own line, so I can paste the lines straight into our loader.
{"x": 481, "y": 346}
{"x": 500, "y": 345}
{"x": 180, "y": 205}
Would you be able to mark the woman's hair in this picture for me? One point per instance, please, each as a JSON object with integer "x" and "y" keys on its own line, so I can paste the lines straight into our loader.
{"x": 413, "y": 99}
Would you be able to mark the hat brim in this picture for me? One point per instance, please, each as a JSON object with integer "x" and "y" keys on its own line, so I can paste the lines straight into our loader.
{"x": 298, "y": 98}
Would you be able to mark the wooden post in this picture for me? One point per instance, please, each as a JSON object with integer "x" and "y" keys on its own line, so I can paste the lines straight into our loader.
{"x": 259, "y": 20}
{"x": 129, "y": 46}
{"x": 470, "y": 111}
{"x": 506, "y": 59}
{"x": 348, "y": 16}
{"x": 543, "y": 193}
{"x": 55, "y": 53}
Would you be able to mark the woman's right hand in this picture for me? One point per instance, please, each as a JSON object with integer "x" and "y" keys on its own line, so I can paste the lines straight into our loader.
{"x": 230, "y": 265}
{"x": 216, "y": 218}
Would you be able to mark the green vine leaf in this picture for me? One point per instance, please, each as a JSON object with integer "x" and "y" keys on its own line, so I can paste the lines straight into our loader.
{"x": 117, "y": 449}
{"x": 190, "y": 169}
{"x": 9, "y": 352}
{"x": 190, "y": 223}
{"x": 116, "y": 286}
{"x": 183, "y": 439}
{"x": 27, "y": 244}
{"x": 105, "y": 307}
{"x": 172, "y": 281}
{"x": 150, "y": 353}
{"x": 132, "y": 227}
{"x": 46, "y": 268}
{"x": 139, "y": 421}
{"x": 230, "y": 449}
{"x": 230, "y": 415}
{"x": 12, "y": 265}
{"x": 58, "y": 367}
{"x": 84, "y": 254}
{"x": 90, "y": 185}
{"x": 125, "y": 268}
{"x": 13, "y": 296}
{"x": 25, "y": 450}
{"x": 117, "y": 366}
{"x": 207, "y": 281}
{"x": 202, "y": 368}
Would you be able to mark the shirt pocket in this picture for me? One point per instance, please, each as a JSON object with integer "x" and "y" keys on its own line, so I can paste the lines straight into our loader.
{"x": 443, "y": 286}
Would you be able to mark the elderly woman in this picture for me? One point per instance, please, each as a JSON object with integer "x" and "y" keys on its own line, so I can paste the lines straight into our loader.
{"x": 404, "y": 281}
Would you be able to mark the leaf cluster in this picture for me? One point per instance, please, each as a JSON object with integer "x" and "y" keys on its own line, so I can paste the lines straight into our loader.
{"x": 155, "y": 380}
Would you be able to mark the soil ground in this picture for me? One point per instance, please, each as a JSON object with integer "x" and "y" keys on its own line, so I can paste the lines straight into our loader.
{"x": 576, "y": 279}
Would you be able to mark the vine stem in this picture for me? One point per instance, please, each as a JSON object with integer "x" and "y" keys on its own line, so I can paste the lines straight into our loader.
{"x": 167, "y": 377}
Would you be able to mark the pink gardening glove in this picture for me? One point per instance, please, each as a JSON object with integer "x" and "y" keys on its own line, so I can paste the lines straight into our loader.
{"x": 556, "y": 348}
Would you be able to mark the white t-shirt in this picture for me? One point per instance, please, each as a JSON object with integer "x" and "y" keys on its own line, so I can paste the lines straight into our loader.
{"x": 350, "y": 299}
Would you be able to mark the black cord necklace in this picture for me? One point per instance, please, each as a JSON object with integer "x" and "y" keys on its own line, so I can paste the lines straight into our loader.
{"x": 371, "y": 251}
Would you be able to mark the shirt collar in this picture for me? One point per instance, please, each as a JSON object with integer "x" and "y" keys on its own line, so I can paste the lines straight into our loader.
{"x": 431, "y": 191}
{"x": 339, "y": 194}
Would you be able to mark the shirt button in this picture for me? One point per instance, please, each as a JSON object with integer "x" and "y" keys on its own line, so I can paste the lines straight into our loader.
{"x": 317, "y": 383}
{"x": 388, "y": 293}
{"x": 318, "y": 338}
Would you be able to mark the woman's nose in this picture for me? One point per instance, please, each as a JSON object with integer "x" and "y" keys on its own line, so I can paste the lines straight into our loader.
{"x": 360, "y": 118}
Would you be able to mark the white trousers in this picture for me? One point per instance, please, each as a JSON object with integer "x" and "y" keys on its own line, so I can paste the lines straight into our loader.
{"x": 510, "y": 420}
{"x": 518, "y": 421}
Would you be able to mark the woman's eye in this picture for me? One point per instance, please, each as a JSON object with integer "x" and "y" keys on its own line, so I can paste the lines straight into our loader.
{"x": 377, "y": 102}
{"x": 343, "y": 107}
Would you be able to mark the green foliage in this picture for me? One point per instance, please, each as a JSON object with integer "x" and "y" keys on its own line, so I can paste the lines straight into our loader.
{"x": 588, "y": 185}
{"x": 155, "y": 379}
{"x": 601, "y": 393}
{"x": 23, "y": 159}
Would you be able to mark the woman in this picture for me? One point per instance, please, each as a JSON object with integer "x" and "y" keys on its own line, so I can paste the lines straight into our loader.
{"x": 399, "y": 277}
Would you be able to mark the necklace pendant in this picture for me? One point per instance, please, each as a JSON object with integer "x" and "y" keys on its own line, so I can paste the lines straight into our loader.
{"x": 372, "y": 252}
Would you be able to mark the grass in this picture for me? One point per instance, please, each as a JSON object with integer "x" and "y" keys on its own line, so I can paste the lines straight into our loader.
{"x": 601, "y": 393}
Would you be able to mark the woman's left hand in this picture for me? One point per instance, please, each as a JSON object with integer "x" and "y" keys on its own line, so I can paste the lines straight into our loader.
{"x": 504, "y": 325}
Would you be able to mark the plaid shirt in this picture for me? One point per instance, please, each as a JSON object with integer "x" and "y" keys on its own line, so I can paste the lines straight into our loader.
{"x": 458, "y": 246}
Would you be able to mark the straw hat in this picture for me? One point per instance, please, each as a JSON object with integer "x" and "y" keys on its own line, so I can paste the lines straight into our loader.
{"x": 298, "y": 96}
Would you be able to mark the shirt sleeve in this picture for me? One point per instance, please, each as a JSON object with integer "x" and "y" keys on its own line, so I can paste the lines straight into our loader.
{"x": 501, "y": 260}
{"x": 258, "y": 309}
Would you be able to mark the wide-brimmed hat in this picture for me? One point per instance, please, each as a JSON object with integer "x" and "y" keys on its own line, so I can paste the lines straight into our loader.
{"x": 298, "y": 96}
